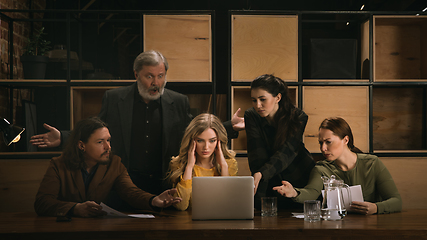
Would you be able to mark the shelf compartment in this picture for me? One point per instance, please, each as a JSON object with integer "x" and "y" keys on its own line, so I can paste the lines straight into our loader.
{"x": 397, "y": 118}
{"x": 202, "y": 103}
{"x": 262, "y": 44}
{"x": 348, "y": 102}
{"x": 190, "y": 53}
{"x": 241, "y": 98}
{"x": 400, "y": 49}
{"x": 87, "y": 102}
{"x": 335, "y": 46}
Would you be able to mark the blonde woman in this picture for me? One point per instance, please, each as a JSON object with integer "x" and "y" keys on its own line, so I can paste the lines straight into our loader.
{"x": 203, "y": 152}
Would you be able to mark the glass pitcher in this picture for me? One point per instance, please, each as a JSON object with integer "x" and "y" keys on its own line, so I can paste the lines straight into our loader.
{"x": 333, "y": 207}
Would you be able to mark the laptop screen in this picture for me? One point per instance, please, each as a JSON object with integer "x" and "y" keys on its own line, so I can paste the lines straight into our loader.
{"x": 223, "y": 198}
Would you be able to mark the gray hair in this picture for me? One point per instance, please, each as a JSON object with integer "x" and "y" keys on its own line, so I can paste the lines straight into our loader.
{"x": 149, "y": 58}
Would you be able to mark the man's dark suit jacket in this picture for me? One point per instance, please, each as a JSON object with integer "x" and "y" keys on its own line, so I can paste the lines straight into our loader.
{"x": 117, "y": 108}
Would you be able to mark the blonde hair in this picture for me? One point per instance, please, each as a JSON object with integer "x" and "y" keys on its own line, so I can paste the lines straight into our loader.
{"x": 196, "y": 127}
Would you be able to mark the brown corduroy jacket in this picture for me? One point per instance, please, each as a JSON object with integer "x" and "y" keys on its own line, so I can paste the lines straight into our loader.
{"x": 62, "y": 188}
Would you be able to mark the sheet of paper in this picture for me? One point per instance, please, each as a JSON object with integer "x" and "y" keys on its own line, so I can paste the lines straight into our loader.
{"x": 114, "y": 213}
{"x": 298, "y": 215}
{"x": 141, "y": 215}
{"x": 356, "y": 195}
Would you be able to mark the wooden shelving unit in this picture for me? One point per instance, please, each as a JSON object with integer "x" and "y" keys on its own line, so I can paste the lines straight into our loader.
{"x": 383, "y": 93}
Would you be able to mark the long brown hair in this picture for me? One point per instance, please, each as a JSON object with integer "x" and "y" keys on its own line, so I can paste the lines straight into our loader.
{"x": 341, "y": 129}
{"x": 82, "y": 131}
{"x": 286, "y": 118}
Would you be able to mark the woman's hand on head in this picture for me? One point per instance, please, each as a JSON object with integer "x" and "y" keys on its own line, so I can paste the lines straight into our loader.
{"x": 88, "y": 209}
{"x": 192, "y": 154}
{"x": 219, "y": 155}
{"x": 220, "y": 159}
{"x": 366, "y": 208}
{"x": 286, "y": 190}
{"x": 191, "y": 161}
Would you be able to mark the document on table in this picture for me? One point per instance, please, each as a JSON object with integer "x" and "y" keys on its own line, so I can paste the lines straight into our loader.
{"x": 356, "y": 195}
{"x": 114, "y": 213}
{"x": 297, "y": 215}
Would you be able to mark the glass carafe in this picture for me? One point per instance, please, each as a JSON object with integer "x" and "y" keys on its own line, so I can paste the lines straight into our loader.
{"x": 333, "y": 207}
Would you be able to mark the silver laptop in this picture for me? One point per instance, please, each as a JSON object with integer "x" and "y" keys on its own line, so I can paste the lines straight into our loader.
{"x": 223, "y": 198}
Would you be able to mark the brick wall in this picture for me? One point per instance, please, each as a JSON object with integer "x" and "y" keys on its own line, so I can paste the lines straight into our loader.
{"x": 21, "y": 31}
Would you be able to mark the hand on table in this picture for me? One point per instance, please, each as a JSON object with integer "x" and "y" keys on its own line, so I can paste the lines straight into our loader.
{"x": 88, "y": 209}
{"x": 166, "y": 199}
{"x": 366, "y": 208}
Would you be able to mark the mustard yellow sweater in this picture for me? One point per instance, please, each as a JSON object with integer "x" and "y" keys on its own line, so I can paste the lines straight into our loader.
{"x": 184, "y": 187}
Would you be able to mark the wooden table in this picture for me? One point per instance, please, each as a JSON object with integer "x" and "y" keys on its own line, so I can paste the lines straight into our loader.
{"x": 409, "y": 224}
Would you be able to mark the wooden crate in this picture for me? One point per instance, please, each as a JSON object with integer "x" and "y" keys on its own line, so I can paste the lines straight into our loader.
{"x": 19, "y": 183}
{"x": 348, "y": 102}
{"x": 400, "y": 48}
{"x": 397, "y": 115}
{"x": 186, "y": 42}
{"x": 203, "y": 103}
{"x": 264, "y": 45}
{"x": 86, "y": 102}
{"x": 241, "y": 98}
{"x": 364, "y": 51}
{"x": 410, "y": 178}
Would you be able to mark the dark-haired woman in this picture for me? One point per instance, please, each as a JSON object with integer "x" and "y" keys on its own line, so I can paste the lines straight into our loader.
{"x": 347, "y": 163}
{"x": 274, "y": 129}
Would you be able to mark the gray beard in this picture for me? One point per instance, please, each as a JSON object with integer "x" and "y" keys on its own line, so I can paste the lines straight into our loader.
{"x": 145, "y": 93}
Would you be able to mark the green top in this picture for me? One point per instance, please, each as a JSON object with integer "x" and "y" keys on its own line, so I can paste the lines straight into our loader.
{"x": 377, "y": 184}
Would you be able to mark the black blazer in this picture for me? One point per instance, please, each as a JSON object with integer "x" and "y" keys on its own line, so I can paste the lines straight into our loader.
{"x": 117, "y": 107}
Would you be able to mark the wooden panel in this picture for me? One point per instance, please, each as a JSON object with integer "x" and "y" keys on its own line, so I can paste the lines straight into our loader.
{"x": 399, "y": 48}
{"x": 364, "y": 53}
{"x": 19, "y": 183}
{"x": 185, "y": 40}
{"x": 350, "y": 103}
{"x": 423, "y": 51}
{"x": 86, "y": 102}
{"x": 241, "y": 98}
{"x": 243, "y": 165}
{"x": 221, "y": 107}
{"x": 202, "y": 103}
{"x": 410, "y": 178}
{"x": 397, "y": 114}
{"x": 264, "y": 45}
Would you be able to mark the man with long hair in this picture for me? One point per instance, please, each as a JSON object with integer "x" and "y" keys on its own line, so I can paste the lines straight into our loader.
{"x": 82, "y": 177}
